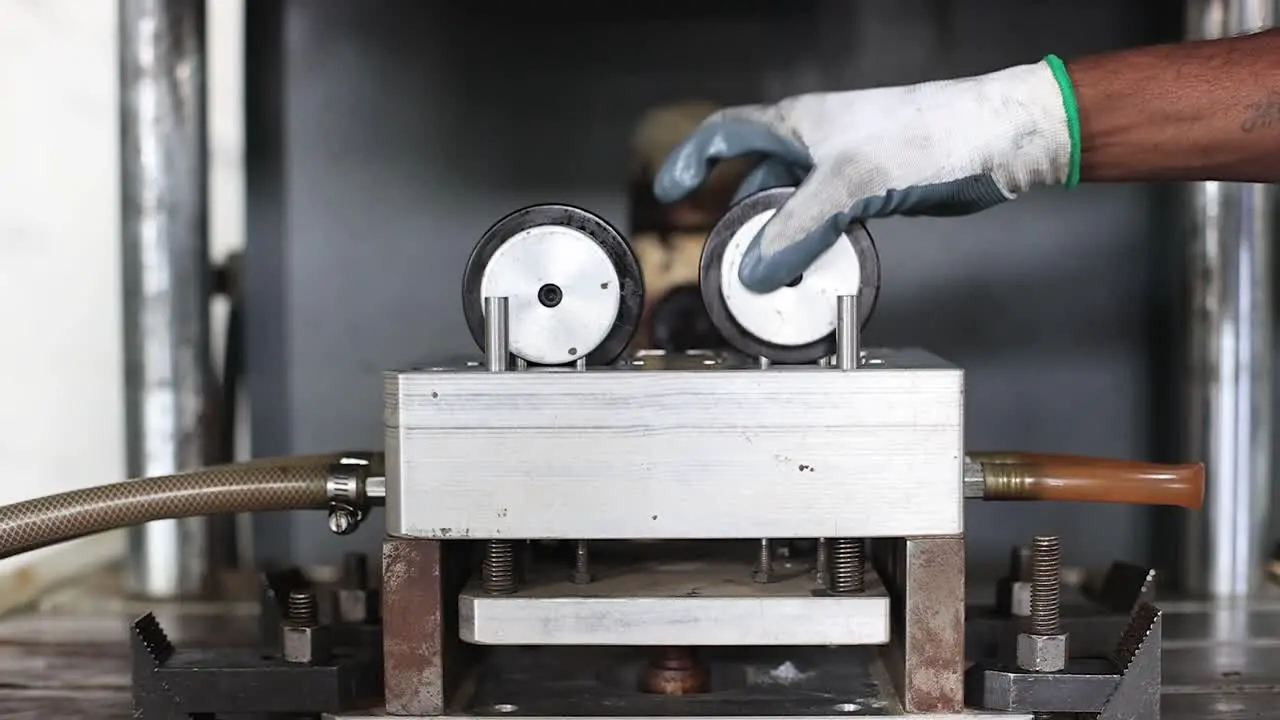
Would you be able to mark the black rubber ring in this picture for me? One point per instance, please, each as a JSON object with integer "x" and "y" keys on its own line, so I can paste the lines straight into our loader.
{"x": 618, "y": 250}
{"x": 732, "y": 331}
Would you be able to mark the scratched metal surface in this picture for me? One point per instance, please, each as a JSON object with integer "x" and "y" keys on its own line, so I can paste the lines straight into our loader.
{"x": 67, "y": 658}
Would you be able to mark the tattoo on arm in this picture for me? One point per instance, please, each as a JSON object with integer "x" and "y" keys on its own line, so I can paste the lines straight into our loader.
{"x": 1263, "y": 114}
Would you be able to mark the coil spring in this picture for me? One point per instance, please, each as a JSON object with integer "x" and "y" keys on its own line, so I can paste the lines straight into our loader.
{"x": 847, "y": 565}
{"x": 499, "y": 567}
{"x": 1046, "y": 574}
{"x": 302, "y": 608}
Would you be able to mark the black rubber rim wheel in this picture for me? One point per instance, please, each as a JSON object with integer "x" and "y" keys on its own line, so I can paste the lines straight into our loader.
{"x": 616, "y": 247}
{"x": 732, "y": 331}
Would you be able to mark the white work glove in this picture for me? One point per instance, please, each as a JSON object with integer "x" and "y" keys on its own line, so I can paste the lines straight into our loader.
{"x": 951, "y": 147}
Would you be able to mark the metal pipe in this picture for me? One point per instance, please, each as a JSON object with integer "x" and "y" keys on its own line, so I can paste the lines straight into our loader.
{"x": 1229, "y": 374}
{"x": 848, "y": 347}
{"x": 168, "y": 374}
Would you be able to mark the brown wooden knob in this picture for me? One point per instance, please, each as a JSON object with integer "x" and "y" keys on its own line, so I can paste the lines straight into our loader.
{"x": 1045, "y": 476}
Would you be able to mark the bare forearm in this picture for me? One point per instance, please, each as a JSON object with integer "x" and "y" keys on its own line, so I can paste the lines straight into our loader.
{"x": 1193, "y": 111}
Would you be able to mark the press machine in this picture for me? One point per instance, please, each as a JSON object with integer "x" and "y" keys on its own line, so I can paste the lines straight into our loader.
{"x": 576, "y": 528}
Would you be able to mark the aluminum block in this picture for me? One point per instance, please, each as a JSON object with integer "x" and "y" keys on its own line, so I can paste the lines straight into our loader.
{"x": 666, "y": 448}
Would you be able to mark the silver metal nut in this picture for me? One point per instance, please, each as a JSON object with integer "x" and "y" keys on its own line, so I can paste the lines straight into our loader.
{"x": 1042, "y": 653}
{"x": 581, "y": 578}
{"x": 1020, "y": 598}
{"x": 357, "y": 605}
{"x": 301, "y": 644}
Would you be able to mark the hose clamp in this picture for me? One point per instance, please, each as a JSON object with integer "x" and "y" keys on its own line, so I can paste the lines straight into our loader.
{"x": 348, "y": 500}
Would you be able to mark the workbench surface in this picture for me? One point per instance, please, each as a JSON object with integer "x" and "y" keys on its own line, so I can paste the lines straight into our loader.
{"x": 67, "y": 657}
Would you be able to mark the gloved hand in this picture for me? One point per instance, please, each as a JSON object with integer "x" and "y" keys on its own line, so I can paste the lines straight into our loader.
{"x": 951, "y": 147}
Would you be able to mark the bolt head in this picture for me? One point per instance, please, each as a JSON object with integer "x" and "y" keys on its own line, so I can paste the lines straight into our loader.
{"x": 341, "y": 522}
{"x": 305, "y": 645}
{"x": 1042, "y": 653}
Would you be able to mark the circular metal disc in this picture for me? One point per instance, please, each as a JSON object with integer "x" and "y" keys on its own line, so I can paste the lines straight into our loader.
{"x": 795, "y": 323}
{"x": 573, "y": 285}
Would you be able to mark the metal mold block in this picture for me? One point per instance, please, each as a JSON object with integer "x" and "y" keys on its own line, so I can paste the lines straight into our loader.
{"x": 689, "y": 603}
{"x": 716, "y": 452}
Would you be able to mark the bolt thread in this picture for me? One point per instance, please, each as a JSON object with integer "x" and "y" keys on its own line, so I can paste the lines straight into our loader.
{"x": 764, "y": 561}
{"x": 848, "y": 567}
{"x": 581, "y": 557}
{"x": 1046, "y": 580}
{"x": 302, "y": 608}
{"x": 499, "y": 567}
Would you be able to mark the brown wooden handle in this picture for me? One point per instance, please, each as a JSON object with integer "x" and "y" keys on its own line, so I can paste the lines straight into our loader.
{"x": 1044, "y": 476}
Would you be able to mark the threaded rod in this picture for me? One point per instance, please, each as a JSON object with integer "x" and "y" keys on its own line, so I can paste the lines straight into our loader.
{"x": 1046, "y": 580}
{"x": 302, "y": 608}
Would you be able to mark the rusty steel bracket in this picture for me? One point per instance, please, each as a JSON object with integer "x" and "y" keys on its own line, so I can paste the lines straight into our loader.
{"x": 925, "y": 658}
{"x": 425, "y": 662}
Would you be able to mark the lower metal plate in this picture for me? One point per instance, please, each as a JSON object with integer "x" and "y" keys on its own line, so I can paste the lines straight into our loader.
{"x": 682, "y": 601}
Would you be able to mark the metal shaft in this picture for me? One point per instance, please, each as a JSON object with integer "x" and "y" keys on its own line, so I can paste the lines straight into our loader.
{"x": 581, "y": 562}
{"x": 1229, "y": 381}
{"x": 848, "y": 343}
{"x": 496, "y": 349}
{"x": 168, "y": 370}
{"x": 821, "y": 563}
{"x": 1046, "y": 581}
{"x": 763, "y": 572}
{"x": 498, "y": 569}
{"x": 848, "y": 566}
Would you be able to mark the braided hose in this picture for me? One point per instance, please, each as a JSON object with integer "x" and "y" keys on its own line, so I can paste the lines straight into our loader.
{"x": 287, "y": 483}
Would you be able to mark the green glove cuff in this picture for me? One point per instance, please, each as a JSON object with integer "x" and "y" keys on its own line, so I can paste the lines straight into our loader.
{"x": 1059, "y": 69}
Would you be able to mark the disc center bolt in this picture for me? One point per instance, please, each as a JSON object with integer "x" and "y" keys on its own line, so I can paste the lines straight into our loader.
{"x": 550, "y": 295}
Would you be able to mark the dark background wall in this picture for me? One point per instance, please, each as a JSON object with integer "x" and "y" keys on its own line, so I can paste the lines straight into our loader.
{"x": 385, "y": 137}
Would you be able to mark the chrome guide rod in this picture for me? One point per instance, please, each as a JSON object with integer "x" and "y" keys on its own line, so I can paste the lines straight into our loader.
{"x": 1228, "y": 383}
{"x": 848, "y": 345}
{"x": 496, "y": 334}
{"x": 168, "y": 374}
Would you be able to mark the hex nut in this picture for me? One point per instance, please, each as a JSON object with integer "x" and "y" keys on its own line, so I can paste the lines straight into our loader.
{"x": 581, "y": 578}
{"x": 1042, "y": 653}
{"x": 305, "y": 645}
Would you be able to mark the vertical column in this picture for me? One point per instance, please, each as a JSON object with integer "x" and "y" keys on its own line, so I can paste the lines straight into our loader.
{"x": 1229, "y": 386}
{"x": 926, "y": 655}
{"x": 423, "y": 659}
{"x": 168, "y": 377}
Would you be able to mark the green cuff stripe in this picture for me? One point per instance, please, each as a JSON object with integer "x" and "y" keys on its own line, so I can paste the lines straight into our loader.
{"x": 1059, "y": 69}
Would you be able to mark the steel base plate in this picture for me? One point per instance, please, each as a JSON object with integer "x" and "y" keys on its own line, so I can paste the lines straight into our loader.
{"x": 601, "y": 682}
